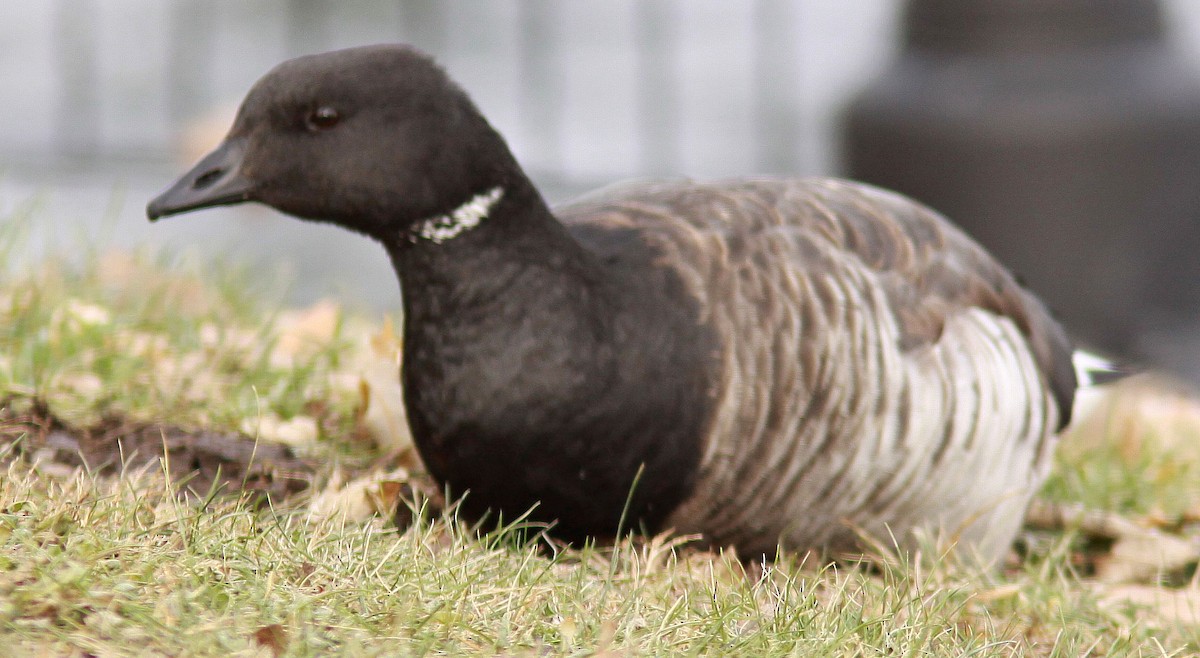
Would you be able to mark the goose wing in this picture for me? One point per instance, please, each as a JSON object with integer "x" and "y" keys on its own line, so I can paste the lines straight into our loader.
{"x": 881, "y": 371}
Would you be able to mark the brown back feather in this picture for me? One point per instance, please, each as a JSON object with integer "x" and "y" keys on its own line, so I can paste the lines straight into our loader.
{"x": 928, "y": 268}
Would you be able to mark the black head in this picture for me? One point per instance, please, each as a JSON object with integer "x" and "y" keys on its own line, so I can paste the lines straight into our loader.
{"x": 372, "y": 138}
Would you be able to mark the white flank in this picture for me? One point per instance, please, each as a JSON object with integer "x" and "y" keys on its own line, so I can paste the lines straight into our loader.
{"x": 463, "y": 218}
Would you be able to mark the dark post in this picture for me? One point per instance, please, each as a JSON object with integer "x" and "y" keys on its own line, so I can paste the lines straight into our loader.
{"x": 1065, "y": 136}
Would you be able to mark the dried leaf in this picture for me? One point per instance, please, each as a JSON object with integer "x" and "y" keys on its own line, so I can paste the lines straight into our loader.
{"x": 86, "y": 313}
{"x": 361, "y": 498}
{"x": 227, "y": 338}
{"x": 273, "y": 637}
{"x": 141, "y": 343}
{"x": 1139, "y": 553}
{"x": 1045, "y": 515}
{"x": 568, "y": 630}
{"x": 118, "y": 269}
{"x": 1145, "y": 556}
{"x": 82, "y": 383}
{"x": 386, "y": 342}
{"x": 302, "y": 331}
{"x": 382, "y": 398}
{"x": 299, "y": 432}
{"x": 1170, "y": 606}
{"x": 1000, "y": 593}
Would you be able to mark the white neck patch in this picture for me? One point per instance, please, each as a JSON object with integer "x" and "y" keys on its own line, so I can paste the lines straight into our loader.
{"x": 463, "y": 218}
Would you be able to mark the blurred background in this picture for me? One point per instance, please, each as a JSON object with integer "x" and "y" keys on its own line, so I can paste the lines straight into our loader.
{"x": 1065, "y": 134}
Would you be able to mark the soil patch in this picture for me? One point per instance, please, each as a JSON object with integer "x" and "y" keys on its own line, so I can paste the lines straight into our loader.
{"x": 199, "y": 462}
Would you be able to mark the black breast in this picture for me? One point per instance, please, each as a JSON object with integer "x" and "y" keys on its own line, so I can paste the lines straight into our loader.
{"x": 582, "y": 392}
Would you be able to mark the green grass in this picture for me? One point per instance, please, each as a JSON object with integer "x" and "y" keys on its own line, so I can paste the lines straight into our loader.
{"x": 116, "y": 566}
{"x": 123, "y": 568}
{"x": 1140, "y": 455}
{"x": 153, "y": 338}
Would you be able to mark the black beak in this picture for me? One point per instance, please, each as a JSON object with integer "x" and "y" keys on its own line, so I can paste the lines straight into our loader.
{"x": 216, "y": 180}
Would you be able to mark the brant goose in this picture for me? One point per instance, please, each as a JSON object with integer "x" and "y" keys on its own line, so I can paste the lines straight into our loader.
{"x": 767, "y": 362}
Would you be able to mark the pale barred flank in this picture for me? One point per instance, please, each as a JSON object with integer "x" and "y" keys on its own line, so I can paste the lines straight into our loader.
{"x": 882, "y": 374}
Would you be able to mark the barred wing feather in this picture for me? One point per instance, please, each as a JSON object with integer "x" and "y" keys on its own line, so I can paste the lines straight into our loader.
{"x": 880, "y": 371}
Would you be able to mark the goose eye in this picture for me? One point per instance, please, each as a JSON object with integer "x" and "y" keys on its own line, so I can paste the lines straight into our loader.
{"x": 322, "y": 118}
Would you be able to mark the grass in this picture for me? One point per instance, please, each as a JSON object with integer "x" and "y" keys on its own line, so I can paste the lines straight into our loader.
{"x": 127, "y": 334}
{"x": 122, "y": 567}
{"x": 147, "y": 337}
{"x": 1139, "y": 455}
{"x": 113, "y": 566}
